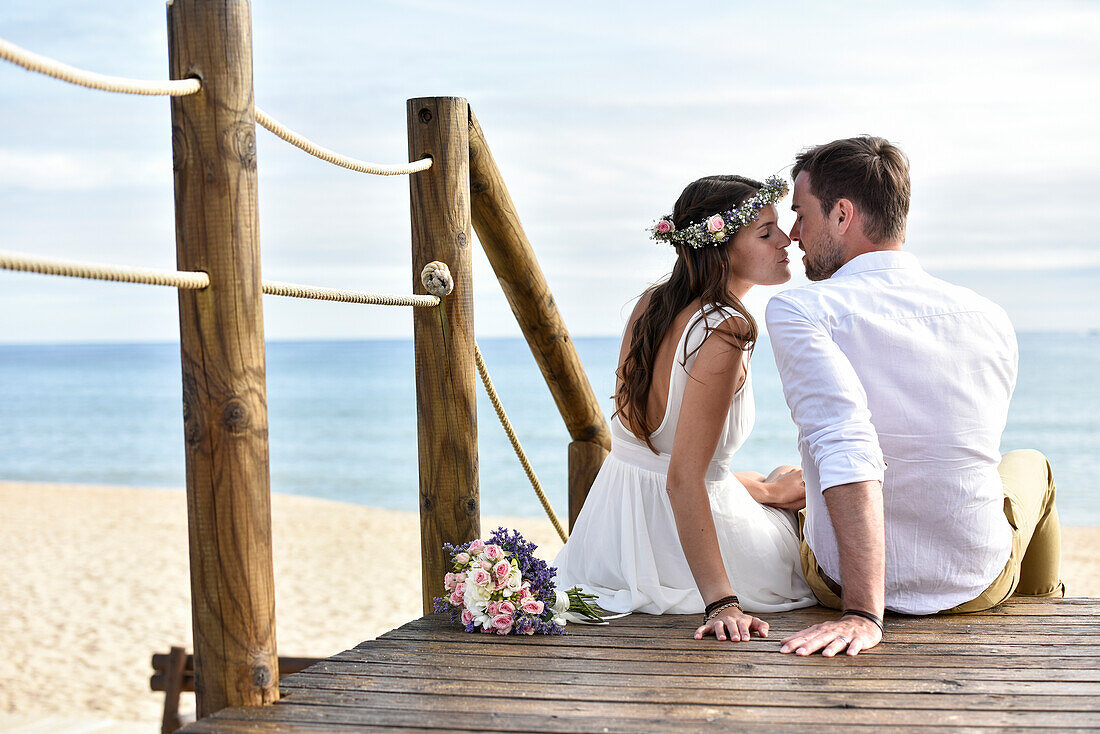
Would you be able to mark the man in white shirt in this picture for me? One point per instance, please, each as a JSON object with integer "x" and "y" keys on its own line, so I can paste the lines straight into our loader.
{"x": 899, "y": 384}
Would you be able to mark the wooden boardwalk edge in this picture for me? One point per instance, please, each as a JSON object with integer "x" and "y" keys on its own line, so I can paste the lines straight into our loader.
{"x": 1029, "y": 664}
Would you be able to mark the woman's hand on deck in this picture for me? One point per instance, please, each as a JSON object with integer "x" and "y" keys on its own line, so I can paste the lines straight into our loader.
{"x": 733, "y": 624}
{"x": 851, "y": 634}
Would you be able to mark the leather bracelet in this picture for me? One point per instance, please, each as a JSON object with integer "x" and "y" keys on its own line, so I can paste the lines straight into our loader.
{"x": 708, "y": 616}
{"x": 715, "y": 604}
{"x": 866, "y": 615}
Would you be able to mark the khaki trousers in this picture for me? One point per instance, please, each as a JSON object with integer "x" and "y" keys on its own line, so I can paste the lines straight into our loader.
{"x": 1033, "y": 565}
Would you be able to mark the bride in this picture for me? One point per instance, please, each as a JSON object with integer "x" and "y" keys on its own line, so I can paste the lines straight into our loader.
{"x": 665, "y": 509}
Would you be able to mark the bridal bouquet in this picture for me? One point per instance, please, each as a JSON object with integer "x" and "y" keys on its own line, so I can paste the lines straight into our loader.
{"x": 500, "y": 586}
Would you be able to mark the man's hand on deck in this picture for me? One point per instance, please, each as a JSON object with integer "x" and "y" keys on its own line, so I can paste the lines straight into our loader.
{"x": 847, "y": 633}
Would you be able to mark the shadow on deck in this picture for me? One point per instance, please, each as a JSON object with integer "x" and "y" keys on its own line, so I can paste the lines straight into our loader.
{"x": 1031, "y": 664}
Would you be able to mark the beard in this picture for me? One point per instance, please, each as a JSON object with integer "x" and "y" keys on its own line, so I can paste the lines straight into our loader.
{"x": 828, "y": 257}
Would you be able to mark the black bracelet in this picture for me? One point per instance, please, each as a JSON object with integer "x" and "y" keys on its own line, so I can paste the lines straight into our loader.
{"x": 866, "y": 615}
{"x": 731, "y": 599}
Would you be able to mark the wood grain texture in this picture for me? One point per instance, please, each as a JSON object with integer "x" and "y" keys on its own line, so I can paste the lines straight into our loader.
{"x": 585, "y": 460}
{"x": 443, "y": 337}
{"x": 647, "y": 674}
{"x": 222, "y": 351}
{"x": 513, "y": 259}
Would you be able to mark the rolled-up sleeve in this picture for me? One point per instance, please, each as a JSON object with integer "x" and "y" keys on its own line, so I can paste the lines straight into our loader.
{"x": 826, "y": 398}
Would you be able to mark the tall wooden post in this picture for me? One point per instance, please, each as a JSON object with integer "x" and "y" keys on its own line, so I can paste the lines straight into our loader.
{"x": 446, "y": 407}
{"x": 513, "y": 259}
{"x": 222, "y": 350}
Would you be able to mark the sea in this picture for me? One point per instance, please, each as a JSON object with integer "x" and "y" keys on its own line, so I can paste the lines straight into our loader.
{"x": 342, "y": 418}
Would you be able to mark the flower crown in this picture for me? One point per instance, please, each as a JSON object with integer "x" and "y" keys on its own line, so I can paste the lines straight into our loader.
{"x": 716, "y": 229}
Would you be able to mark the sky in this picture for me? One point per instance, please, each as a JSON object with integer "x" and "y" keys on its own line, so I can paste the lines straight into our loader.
{"x": 598, "y": 115}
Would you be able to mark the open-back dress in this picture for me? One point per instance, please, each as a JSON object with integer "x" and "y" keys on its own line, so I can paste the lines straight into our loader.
{"x": 624, "y": 546}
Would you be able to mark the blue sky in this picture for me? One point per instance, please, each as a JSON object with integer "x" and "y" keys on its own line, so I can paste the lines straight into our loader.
{"x": 598, "y": 115}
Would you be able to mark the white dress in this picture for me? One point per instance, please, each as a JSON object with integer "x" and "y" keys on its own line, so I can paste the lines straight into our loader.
{"x": 624, "y": 546}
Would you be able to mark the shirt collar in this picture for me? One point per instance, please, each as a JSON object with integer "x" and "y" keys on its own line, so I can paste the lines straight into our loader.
{"x": 879, "y": 260}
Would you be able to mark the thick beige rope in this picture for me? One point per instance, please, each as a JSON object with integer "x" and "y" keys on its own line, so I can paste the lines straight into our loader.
{"x": 292, "y": 290}
{"x": 194, "y": 280}
{"x": 325, "y": 154}
{"x": 33, "y": 62}
{"x": 98, "y": 271}
{"x": 520, "y": 454}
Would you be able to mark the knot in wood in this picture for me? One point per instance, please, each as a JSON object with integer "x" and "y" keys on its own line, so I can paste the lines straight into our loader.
{"x": 437, "y": 280}
{"x": 244, "y": 144}
{"x": 462, "y": 240}
{"x": 425, "y": 115}
{"x": 235, "y": 415}
{"x": 261, "y": 676}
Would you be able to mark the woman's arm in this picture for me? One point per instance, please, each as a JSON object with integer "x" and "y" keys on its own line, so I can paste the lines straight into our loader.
{"x": 714, "y": 378}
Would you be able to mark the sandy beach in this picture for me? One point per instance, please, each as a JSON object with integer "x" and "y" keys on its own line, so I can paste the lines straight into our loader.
{"x": 95, "y": 580}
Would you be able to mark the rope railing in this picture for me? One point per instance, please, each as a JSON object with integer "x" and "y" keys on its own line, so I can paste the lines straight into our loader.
{"x": 183, "y": 87}
{"x": 195, "y": 280}
{"x": 292, "y": 290}
{"x": 99, "y": 271}
{"x": 490, "y": 390}
{"x": 354, "y": 164}
{"x": 43, "y": 65}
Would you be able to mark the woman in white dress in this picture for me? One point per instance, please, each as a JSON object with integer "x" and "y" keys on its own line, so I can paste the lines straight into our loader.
{"x": 666, "y": 527}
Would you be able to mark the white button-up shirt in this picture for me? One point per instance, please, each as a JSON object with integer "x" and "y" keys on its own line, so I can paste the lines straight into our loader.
{"x": 896, "y": 376}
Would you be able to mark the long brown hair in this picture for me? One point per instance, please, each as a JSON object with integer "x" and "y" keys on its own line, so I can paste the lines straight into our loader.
{"x": 700, "y": 274}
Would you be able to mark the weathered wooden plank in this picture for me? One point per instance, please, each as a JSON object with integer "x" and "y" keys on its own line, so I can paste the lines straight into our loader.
{"x": 659, "y": 647}
{"x": 499, "y": 711}
{"x": 227, "y": 725}
{"x": 383, "y": 673}
{"x": 531, "y": 685}
{"x": 1018, "y": 667}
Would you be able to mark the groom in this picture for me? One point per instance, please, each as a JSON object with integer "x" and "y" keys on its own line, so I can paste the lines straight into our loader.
{"x": 899, "y": 383}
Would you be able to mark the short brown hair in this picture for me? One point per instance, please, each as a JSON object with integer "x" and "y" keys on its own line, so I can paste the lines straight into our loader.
{"x": 871, "y": 172}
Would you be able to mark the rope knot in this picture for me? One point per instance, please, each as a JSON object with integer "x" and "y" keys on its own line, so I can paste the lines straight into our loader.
{"x": 436, "y": 277}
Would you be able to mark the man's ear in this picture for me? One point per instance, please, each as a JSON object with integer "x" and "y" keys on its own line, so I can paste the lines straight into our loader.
{"x": 843, "y": 215}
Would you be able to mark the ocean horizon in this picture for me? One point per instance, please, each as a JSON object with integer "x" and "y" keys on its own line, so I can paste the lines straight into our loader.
{"x": 342, "y": 418}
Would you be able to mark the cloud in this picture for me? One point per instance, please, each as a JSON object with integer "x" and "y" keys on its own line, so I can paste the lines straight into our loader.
{"x": 84, "y": 170}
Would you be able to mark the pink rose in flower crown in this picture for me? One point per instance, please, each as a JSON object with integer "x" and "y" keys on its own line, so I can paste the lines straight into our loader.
{"x": 715, "y": 224}
{"x": 507, "y": 607}
{"x": 531, "y": 606}
{"x": 502, "y": 569}
{"x": 467, "y": 616}
{"x": 502, "y": 623}
{"x": 449, "y": 582}
{"x": 480, "y": 577}
{"x": 494, "y": 552}
{"x": 665, "y": 226}
{"x": 493, "y": 608}
{"x": 462, "y": 559}
{"x": 459, "y": 578}
{"x": 486, "y": 565}
{"x": 456, "y": 598}
{"x": 476, "y": 547}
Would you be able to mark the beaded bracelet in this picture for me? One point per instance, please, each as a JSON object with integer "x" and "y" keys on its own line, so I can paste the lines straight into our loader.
{"x": 866, "y": 615}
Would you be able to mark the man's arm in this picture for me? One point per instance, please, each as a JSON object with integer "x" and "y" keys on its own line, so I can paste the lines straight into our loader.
{"x": 829, "y": 404}
{"x": 856, "y": 512}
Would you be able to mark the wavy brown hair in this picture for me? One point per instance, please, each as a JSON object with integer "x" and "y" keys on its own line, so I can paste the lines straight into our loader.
{"x": 699, "y": 275}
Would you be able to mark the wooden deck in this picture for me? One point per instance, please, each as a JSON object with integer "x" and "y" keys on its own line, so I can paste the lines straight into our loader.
{"x": 1031, "y": 665}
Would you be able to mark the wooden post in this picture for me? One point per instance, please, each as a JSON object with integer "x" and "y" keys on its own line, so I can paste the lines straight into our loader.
{"x": 446, "y": 406}
{"x": 513, "y": 259}
{"x": 222, "y": 350}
